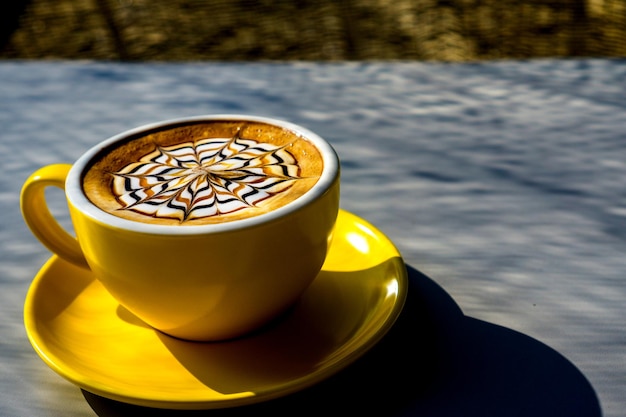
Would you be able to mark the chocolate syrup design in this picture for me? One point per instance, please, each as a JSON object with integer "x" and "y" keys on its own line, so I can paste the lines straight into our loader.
{"x": 205, "y": 178}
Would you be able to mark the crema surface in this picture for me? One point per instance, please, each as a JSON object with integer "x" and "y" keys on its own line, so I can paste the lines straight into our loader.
{"x": 203, "y": 173}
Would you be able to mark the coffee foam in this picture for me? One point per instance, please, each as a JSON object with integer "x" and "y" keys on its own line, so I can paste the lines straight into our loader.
{"x": 203, "y": 173}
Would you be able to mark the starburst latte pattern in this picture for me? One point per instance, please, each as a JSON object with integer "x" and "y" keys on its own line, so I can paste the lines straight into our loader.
{"x": 204, "y": 178}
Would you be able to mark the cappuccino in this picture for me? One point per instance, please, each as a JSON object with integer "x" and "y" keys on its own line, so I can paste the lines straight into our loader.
{"x": 203, "y": 173}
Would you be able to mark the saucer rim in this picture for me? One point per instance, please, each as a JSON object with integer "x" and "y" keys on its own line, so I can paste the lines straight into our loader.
{"x": 279, "y": 390}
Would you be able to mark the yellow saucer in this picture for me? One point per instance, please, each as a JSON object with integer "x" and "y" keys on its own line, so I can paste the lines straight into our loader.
{"x": 84, "y": 335}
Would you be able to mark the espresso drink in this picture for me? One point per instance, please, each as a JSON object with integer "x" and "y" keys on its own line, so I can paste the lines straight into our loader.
{"x": 202, "y": 173}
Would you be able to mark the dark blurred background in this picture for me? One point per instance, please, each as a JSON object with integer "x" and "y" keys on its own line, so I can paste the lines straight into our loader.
{"x": 441, "y": 30}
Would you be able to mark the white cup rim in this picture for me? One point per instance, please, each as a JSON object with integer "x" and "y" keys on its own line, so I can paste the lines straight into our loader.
{"x": 78, "y": 199}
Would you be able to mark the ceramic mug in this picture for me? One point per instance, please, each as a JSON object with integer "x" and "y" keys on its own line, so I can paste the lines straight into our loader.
{"x": 193, "y": 280}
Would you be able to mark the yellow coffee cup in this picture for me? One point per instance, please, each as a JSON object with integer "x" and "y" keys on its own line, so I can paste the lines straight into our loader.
{"x": 197, "y": 281}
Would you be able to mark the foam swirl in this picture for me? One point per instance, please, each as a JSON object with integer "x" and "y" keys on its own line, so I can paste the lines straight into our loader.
{"x": 204, "y": 178}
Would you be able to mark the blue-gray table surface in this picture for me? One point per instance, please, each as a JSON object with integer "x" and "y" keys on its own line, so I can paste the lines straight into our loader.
{"x": 503, "y": 185}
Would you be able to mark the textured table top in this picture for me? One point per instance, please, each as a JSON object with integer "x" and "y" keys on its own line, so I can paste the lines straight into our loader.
{"x": 502, "y": 184}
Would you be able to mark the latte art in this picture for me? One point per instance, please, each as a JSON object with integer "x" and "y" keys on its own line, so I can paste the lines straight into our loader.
{"x": 200, "y": 173}
{"x": 204, "y": 178}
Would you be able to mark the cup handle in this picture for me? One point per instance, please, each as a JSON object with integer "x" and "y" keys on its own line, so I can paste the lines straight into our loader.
{"x": 39, "y": 219}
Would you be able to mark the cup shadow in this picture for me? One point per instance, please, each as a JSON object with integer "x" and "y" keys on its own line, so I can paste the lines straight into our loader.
{"x": 435, "y": 361}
